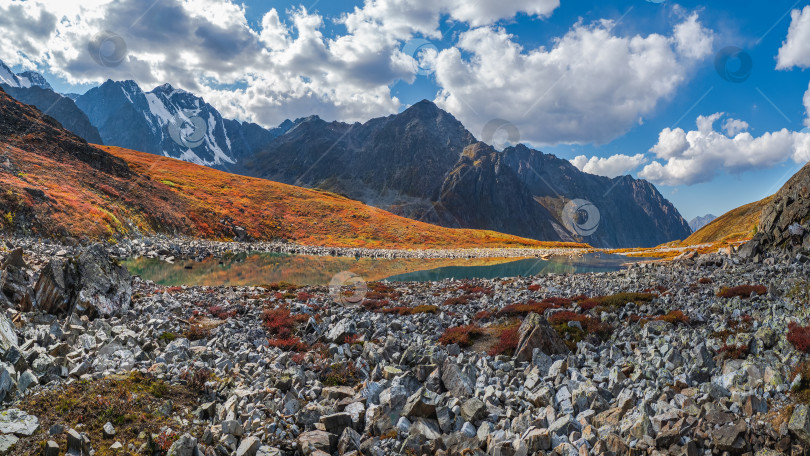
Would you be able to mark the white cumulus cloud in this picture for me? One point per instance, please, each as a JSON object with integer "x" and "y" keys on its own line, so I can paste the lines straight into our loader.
{"x": 615, "y": 165}
{"x": 686, "y": 158}
{"x": 591, "y": 86}
{"x": 795, "y": 50}
{"x": 284, "y": 67}
{"x": 807, "y": 106}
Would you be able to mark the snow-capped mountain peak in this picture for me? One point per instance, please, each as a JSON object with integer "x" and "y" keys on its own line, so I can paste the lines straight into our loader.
{"x": 24, "y": 80}
{"x": 33, "y": 79}
{"x": 171, "y": 122}
{"x": 7, "y": 76}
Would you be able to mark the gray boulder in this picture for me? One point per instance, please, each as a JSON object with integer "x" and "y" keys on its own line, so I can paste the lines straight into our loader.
{"x": 14, "y": 421}
{"x": 8, "y": 335}
{"x": 92, "y": 282}
{"x": 186, "y": 445}
{"x": 14, "y": 284}
{"x": 535, "y": 332}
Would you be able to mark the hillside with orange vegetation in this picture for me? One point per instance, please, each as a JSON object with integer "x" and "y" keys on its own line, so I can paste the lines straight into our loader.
{"x": 54, "y": 184}
{"x": 731, "y": 229}
{"x": 735, "y": 225}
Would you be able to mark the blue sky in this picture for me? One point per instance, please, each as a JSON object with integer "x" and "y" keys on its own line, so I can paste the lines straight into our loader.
{"x": 537, "y": 64}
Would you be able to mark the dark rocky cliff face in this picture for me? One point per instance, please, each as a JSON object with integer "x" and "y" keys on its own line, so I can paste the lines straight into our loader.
{"x": 415, "y": 164}
{"x": 785, "y": 223}
{"x": 482, "y": 192}
{"x": 630, "y": 212}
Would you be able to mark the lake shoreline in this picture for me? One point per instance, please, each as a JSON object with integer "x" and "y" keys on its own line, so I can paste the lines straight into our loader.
{"x": 177, "y": 248}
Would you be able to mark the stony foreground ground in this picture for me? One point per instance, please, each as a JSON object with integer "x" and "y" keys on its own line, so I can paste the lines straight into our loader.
{"x": 656, "y": 359}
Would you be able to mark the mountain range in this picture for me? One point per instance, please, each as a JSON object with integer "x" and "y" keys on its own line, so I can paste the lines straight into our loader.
{"x": 422, "y": 163}
{"x": 54, "y": 184}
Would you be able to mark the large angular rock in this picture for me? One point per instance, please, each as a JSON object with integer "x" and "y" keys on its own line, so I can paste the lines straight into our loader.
{"x": 14, "y": 421}
{"x": 248, "y": 447}
{"x": 56, "y": 282}
{"x": 313, "y": 441}
{"x": 799, "y": 424}
{"x": 8, "y": 335}
{"x": 186, "y": 445}
{"x": 535, "y": 332}
{"x": 336, "y": 422}
{"x": 349, "y": 441}
{"x": 14, "y": 281}
{"x": 7, "y": 443}
{"x": 427, "y": 428}
{"x": 537, "y": 440}
{"x": 92, "y": 282}
{"x": 421, "y": 404}
{"x": 456, "y": 381}
{"x": 731, "y": 438}
{"x": 473, "y": 410}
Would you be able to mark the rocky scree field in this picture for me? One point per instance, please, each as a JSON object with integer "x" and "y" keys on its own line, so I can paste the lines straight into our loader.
{"x": 706, "y": 355}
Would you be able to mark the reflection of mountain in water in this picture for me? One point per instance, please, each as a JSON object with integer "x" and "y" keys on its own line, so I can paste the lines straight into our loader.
{"x": 264, "y": 268}
{"x": 525, "y": 267}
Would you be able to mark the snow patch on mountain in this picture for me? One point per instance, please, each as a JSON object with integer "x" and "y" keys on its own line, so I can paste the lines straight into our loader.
{"x": 33, "y": 79}
{"x": 7, "y": 76}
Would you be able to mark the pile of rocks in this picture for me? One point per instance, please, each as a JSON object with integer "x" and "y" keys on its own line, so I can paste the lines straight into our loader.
{"x": 176, "y": 248}
{"x": 377, "y": 383}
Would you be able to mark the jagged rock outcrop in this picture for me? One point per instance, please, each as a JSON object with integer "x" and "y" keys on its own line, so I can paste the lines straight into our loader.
{"x": 14, "y": 282}
{"x": 91, "y": 284}
{"x": 482, "y": 192}
{"x": 785, "y": 221}
{"x": 535, "y": 332}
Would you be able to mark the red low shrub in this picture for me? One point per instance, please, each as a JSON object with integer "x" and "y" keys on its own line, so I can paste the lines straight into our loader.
{"x": 402, "y": 310}
{"x": 280, "y": 322}
{"x": 743, "y": 291}
{"x": 522, "y": 309}
{"x": 590, "y": 325}
{"x": 375, "y": 304}
{"x": 484, "y": 315}
{"x": 464, "y": 336}
{"x": 534, "y": 287}
{"x": 460, "y": 300}
{"x": 220, "y": 312}
{"x": 799, "y": 336}
{"x": 507, "y": 341}
{"x": 705, "y": 281}
{"x": 674, "y": 317}
{"x": 470, "y": 288}
{"x": 290, "y": 343}
{"x": 733, "y": 351}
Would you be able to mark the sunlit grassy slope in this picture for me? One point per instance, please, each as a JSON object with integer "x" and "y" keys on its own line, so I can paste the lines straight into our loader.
{"x": 64, "y": 197}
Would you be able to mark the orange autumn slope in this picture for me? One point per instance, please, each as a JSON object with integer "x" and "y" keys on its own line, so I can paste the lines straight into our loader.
{"x": 53, "y": 184}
